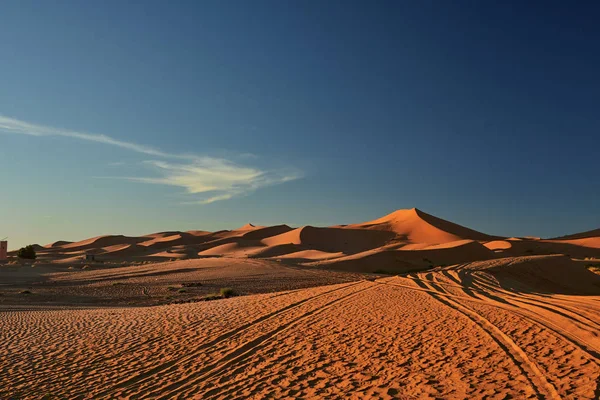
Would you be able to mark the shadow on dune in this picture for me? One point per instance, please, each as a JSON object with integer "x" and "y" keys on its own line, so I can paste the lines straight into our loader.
{"x": 545, "y": 275}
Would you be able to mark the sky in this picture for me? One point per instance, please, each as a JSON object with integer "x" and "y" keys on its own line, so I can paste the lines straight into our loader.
{"x": 138, "y": 117}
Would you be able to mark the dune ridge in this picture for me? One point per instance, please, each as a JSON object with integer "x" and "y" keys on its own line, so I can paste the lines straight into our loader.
{"x": 403, "y": 240}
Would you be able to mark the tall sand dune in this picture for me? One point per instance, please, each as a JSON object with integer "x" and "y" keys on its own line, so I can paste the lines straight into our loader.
{"x": 417, "y": 226}
{"x": 332, "y": 239}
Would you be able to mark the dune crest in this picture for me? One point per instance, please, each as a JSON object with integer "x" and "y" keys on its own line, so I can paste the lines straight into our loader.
{"x": 401, "y": 241}
{"x": 417, "y": 226}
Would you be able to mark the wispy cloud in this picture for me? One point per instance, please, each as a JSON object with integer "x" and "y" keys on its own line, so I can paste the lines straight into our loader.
{"x": 207, "y": 179}
{"x": 215, "y": 178}
{"x": 12, "y": 125}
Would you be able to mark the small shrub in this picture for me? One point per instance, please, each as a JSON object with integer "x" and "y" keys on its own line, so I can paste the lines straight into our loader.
{"x": 182, "y": 290}
{"x": 191, "y": 284}
{"x": 227, "y": 292}
{"x": 25, "y": 292}
{"x": 27, "y": 253}
{"x": 172, "y": 288}
{"x": 212, "y": 296}
{"x": 117, "y": 283}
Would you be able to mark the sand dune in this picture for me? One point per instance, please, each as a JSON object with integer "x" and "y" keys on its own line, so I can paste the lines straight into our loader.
{"x": 417, "y": 226}
{"x": 265, "y": 232}
{"x": 248, "y": 227}
{"x": 237, "y": 248}
{"x": 404, "y": 240}
{"x": 590, "y": 242}
{"x": 582, "y": 235}
{"x": 399, "y": 260}
{"x": 103, "y": 241}
{"x": 332, "y": 239}
{"x": 573, "y": 248}
{"x": 59, "y": 243}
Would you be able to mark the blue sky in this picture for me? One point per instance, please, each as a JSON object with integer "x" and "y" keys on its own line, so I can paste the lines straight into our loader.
{"x": 148, "y": 116}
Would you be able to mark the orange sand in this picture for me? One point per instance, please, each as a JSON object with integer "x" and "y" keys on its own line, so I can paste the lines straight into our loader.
{"x": 471, "y": 315}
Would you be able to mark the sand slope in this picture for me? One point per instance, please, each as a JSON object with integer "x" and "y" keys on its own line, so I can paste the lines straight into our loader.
{"x": 595, "y": 233}
{"x": 404, "y": 240}
{"x": 417, "y": 226}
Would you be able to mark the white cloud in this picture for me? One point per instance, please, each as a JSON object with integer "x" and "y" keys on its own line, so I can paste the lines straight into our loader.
{"x": 213, "y": 177}
{"x": 12, "y": 125}
{"x": 220, "y": 179}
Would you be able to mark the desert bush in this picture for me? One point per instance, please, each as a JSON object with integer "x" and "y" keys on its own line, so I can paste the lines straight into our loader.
{"x": 227, "y": 292}
{"x": 191, "y": 284}
{"x": 25, "y": 292}
{"x": 224, "y": 293}
{"x": 182, "y": 290}
{"x": 212, "y": 296}
{"x": 27, "y": 252}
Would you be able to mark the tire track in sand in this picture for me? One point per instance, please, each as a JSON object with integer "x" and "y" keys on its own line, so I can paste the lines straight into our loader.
{"x": 513, "y": 304}
{"x": 172, "y": 365}
{"x": 209, "y": 371}
{"x": 540, "y": 384}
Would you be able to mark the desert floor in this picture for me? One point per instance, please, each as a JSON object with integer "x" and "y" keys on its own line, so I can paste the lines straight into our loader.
{"x": 515, "y": 327}
{"x": 52, "y": 285}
